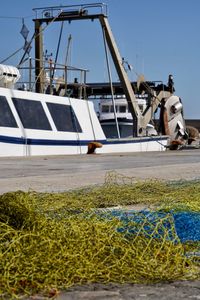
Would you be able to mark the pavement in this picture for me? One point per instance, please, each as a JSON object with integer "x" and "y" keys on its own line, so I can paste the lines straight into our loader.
{"x": 61, "y": 173}
{"x": 180, "y": 290}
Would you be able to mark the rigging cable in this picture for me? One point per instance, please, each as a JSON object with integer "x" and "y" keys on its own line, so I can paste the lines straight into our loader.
{"x": 110, "y": 80}
{"x": 33, "y": 37}
{"x": 90, "y": 117}
{"x": 75, "y": 123}
{"x": 11, "y": 55}
{"x": 58, "y": 48}
{"x": 68, "y": 53}
{"x": 68, "y": 57}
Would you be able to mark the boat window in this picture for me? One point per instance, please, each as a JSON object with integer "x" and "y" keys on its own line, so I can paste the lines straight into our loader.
{"x": 6, "y": 116}
{"x": 141, "y": 107}
{"x": 105, "y": 108}
{"x": 122, "y": 108}
{"x": 32, "y": 114}
{"x": 64, "y": 117}
{"x": 112, "y": 108}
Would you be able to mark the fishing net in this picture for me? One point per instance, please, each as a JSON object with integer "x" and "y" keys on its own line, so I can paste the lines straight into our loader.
{"x": 53, "y": 241}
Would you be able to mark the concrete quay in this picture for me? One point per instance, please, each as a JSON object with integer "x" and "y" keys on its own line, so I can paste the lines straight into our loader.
{"x": 61, "y": 173}
{"x": 180, "y": 290}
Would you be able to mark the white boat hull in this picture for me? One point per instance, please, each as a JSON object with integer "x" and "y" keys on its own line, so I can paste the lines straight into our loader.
{"x": 143, "y": 144}
{"x": 108, "y": 146}
{"x": 20, "y": 140}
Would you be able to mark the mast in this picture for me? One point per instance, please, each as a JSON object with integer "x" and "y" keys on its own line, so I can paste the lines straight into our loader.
{"x": 39, "y": 73}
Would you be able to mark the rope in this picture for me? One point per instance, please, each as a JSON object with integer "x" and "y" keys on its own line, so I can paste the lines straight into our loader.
{"x": 90, "y": 117}
{"x": 110, "y": 80}
{"x": 159, "y": 142}
{"x": 58, "y": 47}
{"x": 74, "y": 120}
{"x": 11, "y": 55}
{"x": 36, "y": 79}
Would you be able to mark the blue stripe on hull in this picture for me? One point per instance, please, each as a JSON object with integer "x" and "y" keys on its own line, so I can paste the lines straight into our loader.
{"x": 134, "y": 140}
{"x": 47, "y": 142}
{"x": 44, "y": 142}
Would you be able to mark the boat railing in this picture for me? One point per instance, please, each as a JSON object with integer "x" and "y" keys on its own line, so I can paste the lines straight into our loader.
{"x": 70, "y": 10}
{"x": 57, "y": 79}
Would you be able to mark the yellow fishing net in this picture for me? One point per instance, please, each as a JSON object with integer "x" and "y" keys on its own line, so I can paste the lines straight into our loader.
{"x": 59, "y": 240}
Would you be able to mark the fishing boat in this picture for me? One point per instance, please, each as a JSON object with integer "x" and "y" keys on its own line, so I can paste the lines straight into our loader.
{"x": 48, "y": 115}
{"x": 123, "y": 118}
{"x": 115, "y": 116}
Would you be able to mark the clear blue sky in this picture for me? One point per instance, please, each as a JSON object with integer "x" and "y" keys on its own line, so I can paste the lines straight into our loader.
{"x": 157, "y": 37}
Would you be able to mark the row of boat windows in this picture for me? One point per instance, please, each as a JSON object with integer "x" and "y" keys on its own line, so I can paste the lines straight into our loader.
{"x": 110, "y": 108}
{"x": 33, "y": 116}
{"x": 119, "y": 108}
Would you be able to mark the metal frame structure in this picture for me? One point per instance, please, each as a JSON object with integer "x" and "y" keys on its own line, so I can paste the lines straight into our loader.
{"x": 82, "y": 12}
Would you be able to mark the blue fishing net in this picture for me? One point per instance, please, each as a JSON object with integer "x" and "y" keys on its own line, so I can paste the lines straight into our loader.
{"x": 185, "y": 225}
